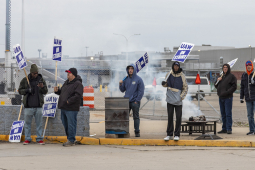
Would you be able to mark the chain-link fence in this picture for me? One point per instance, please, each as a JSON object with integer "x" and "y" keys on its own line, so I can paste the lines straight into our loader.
{"x": 105, "y": 82}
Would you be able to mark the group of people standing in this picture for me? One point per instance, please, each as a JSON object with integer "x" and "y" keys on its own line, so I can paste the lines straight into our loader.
{"x": 70, "y": 96}
{"x": 227, "y": 86}
{"x": 133, "y": 86}
{"x": 177, "y": 89}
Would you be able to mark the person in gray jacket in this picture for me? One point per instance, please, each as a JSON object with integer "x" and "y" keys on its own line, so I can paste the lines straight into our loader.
{"x": 177, "y": 89}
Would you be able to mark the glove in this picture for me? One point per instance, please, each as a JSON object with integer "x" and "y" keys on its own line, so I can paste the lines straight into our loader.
{"x": 163, "y": 83}
{"x": 252, "y": 81}
{"x": 241, "y": 101}
{"x": 29, "y": 90}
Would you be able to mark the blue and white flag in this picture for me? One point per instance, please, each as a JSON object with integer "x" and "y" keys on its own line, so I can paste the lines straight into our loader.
{"x": 142, "y": 62}
{"x": 16, "y": 131}
{"x": 57, "y": 49}
{"x": 183, "y": 52}
{"x": 19, "y": 56}
{"x": 50, "y": 105}
{"x": 231, "y": 64}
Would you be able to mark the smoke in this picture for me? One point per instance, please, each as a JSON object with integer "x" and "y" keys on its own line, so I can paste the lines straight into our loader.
{"x": 147, "y": 74}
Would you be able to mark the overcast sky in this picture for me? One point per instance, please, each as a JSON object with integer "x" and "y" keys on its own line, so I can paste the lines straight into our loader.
{"x": 161, "y": 23}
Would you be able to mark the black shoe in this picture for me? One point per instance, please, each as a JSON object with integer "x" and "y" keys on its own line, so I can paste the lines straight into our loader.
{"x": 250, "y": 133}
{"x": 137, "y": 135}
{"x": 222, "y": 131}
{"x": 229, "y": 132}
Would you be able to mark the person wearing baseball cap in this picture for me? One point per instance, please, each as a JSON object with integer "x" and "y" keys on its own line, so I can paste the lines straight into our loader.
{"x": 69, "y": 103}
{"x": 247, "y": 91}
{"x": 225, "y": 88}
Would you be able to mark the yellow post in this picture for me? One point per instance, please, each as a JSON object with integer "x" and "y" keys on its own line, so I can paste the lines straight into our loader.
{"x": 100, "y": 88}
{"x": 105, "y": 88}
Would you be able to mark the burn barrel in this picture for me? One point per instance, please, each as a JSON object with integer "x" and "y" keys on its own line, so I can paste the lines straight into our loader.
{"x": 117, "y": 115}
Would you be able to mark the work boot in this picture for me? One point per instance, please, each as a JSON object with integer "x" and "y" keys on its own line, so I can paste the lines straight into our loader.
{"x": 137, "y": 134}
{"x": 222, "y": 131}
{"x": 68, "y": 143}
{"x": 229, "y": 132}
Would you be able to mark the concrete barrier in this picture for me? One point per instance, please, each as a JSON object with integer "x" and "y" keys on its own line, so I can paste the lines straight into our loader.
{"x": 9, "y": 113}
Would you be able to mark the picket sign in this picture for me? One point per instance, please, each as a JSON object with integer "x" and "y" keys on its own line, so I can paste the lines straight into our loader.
{"x": 16, "y": 129}
{"x": 182, "y": 54}
{"x": 141, "y": 63}
{"x": 17, "y": 126}
{"x": 231, "y": 64}
{"x": 49, "y": 108}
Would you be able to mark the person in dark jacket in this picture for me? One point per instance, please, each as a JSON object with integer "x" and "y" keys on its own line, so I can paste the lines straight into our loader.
{"x": 247, "y": 91}
{"x": 69, "y": 103}
{"x": 133, "y": 87}
{"x": 33, "y": 102}
{"x": 226, "y": 86}
{"x": 177, "y": 89}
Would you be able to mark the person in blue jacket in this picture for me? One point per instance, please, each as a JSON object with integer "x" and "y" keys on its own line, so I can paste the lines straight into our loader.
{"x": 133, "y": 87}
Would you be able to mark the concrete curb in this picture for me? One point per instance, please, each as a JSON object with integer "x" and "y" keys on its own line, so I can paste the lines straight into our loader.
{"x": 158, "y": 142}
{"x": 57, "y": 139}
{"x": 142, "y": 142}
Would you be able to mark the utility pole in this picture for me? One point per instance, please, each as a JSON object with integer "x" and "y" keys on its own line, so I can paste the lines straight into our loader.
{"x": 126, "y": 44}
{"x": 39, "y": 50}
{"x": 86, "y": 50}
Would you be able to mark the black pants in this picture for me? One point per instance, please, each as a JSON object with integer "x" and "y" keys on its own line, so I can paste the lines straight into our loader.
{"x": 135, "y": 108}
{"x": 178, "y": 113}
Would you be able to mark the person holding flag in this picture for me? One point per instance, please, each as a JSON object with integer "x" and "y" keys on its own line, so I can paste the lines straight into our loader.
{"x": 133, "y": 87}
{"x": 33, "y": 101}
{"x": 177, "y": 89}
{"x": 226, "y": 86}
{"x": 247, "y": 91}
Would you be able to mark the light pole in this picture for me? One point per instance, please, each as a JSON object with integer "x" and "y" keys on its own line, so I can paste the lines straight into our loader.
{"x": 126, "y": 44}
{"x": 39, "y": 50}
{"x": 251, "y": 52}
{"x": 86, "y": 50}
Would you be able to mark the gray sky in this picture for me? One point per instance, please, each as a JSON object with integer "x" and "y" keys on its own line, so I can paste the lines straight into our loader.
{"x": 161, "y": 23}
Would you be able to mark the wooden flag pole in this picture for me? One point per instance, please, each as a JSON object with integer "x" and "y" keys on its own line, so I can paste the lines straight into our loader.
{"x": 46, "y": 122}
{"x": 56, "y": 73}
{"x": 20, "y": 111}
{"x": 26, "y": 77}
{"x": 56, "y": 83}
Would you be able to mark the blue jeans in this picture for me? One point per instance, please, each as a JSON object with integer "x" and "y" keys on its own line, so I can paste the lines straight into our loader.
{"x": 28, "y": 114}
{"x": 226, "y": 113}
{"x": 135, "y": 108}
{"x": 69, "y": 120}
{"x": 250, "y": 114}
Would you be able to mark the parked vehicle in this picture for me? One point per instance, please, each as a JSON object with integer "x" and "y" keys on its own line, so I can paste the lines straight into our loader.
{"x": 160, "y": 91}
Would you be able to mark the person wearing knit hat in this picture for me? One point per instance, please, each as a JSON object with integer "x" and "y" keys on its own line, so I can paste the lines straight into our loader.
{"x": 225, "y": 88}
{"x": 247, "y": 91}
{"x": 33, "y": 101}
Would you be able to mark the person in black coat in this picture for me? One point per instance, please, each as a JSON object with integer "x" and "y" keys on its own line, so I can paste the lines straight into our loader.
{"x": 226, "y": 86}
{"x": 247, "y": 91}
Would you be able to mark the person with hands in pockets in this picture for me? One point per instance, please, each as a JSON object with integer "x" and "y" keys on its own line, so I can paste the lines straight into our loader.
{"x": 247, "y": 91}
{"x": 226, "y": 86}
{"x": 133, "y": 87}
{"x": 177, "y": 89}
